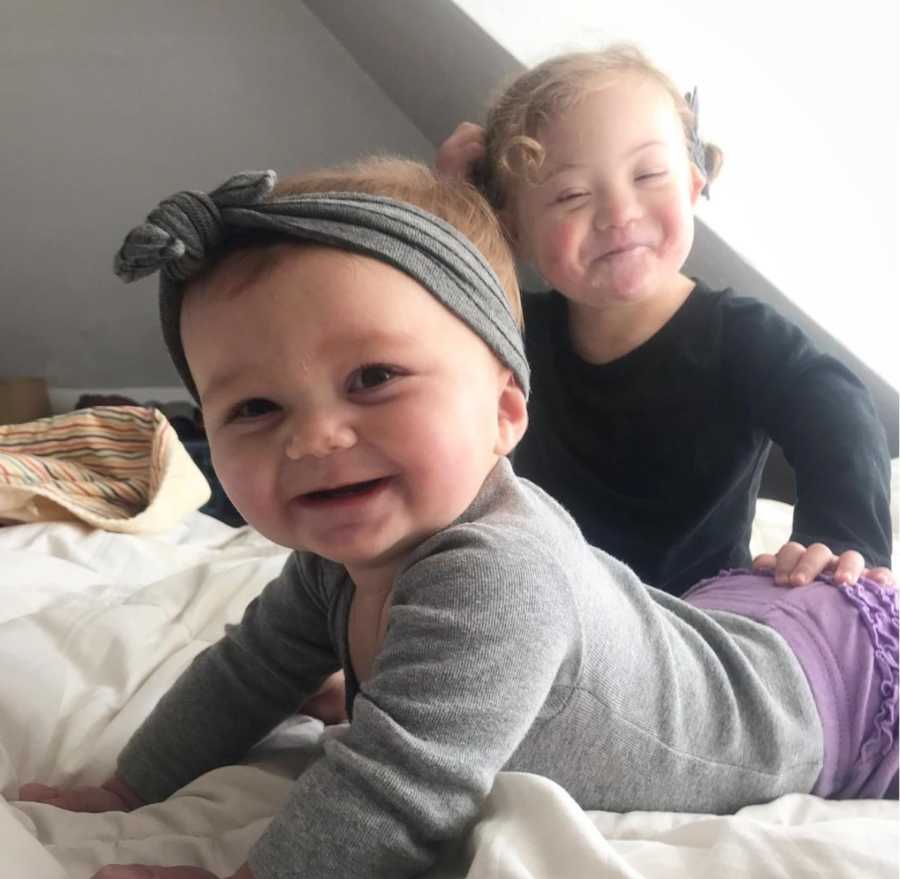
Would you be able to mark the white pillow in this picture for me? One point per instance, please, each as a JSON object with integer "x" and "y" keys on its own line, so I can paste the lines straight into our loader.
{"x": 771, "y": 526}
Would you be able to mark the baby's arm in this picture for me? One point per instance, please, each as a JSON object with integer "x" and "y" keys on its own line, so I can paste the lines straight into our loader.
{"x": 114, "y": 795}
{"x": 229, "y": 697}
{"x": 425, "y": 744}
{"x": 442, "y": 712}
{"x": 237, "y": 690}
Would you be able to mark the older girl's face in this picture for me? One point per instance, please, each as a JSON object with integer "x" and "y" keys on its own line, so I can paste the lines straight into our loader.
{"x": 610, "y": 221}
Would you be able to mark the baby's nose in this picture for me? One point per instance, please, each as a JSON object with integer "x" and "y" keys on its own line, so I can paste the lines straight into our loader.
{"x": 319, "y": 436}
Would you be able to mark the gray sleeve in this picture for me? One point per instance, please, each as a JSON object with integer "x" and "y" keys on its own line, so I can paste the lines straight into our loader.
{"x": 477, "y": 634}
{"x": 239, "y": 688}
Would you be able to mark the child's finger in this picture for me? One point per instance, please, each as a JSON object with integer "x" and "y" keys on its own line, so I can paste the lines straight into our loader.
{"x": 786, "y": 560}
{"x": 460, "y": 151}
{"x": 142, "y": 871}
{"x": 77, "y": 799}
{"x": 472, "y": 151}
{"x": 764, "y": 562}
{"x": 459, "y": 162}
{"x": 882, "y": 576}
{"x": 125, "y": 871}
{"x": 811, "y": 563}
{"x": 34, "y": 792}
{"x": 848, "y": 568}
{"x": 464, "y": 132}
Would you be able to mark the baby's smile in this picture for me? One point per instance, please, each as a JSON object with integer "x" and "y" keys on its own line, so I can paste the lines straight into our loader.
{"x": 341, "y": 494}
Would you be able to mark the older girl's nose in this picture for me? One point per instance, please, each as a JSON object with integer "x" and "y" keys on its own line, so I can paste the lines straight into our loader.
{"x": 616, "y": 208}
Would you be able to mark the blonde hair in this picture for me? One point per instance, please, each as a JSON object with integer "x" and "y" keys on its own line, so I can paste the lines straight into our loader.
{"x": 454, "y": 201}
{"x": 513, "y": 151}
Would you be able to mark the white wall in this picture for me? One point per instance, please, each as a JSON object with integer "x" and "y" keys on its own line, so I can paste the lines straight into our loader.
{"x": 106, "y": 106}
{"x": 804, "y": 98}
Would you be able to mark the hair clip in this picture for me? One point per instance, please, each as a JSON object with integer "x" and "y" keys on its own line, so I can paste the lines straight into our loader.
{"x": 696, "y": 147}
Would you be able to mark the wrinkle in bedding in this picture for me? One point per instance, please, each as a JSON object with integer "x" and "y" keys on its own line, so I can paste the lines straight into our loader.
{"x": 66, "y": 708}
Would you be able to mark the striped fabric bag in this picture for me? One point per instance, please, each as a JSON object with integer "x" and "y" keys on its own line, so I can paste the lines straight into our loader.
{"x": 118, "y": 468}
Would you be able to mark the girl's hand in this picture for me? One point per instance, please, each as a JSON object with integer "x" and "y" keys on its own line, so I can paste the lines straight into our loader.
{"x": 798, "y": 565}
{"x": 461, "y": 151}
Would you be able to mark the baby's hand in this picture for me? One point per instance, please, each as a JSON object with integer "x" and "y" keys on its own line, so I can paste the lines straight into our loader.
{"x": 329, "y": 704}
{"x": 141, "y": 871}
{"x": 459, "y": 153}
{"x": 113, "y": 796}
{"x": 798, "y": 565}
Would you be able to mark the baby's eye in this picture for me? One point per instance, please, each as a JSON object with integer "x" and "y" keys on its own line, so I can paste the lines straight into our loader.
{"x": 650, "y": 175}
{"x": 252, "y": 408}
{"x": 371, "y": 376}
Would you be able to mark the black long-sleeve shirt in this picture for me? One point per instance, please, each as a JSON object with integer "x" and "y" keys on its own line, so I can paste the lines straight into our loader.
{"x": 658, "y": 455}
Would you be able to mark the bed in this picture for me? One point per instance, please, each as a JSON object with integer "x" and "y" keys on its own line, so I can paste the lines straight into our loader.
{"x": 96, "y": 624}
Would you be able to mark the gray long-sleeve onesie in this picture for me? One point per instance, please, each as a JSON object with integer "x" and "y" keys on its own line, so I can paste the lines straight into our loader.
{"x": 511, "y": 645}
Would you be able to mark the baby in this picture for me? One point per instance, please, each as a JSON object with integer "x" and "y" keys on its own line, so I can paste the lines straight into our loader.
{"x": 353, "y": 340}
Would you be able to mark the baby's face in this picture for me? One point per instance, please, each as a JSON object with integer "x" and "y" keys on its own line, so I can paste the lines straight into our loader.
{"x": 610, "y": 222}
{"x": 348, "y": 412}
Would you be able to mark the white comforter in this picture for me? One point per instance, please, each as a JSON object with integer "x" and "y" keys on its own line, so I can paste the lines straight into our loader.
{"x": 95, "y": 626}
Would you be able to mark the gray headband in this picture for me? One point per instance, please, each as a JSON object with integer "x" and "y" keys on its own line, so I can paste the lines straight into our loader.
{"x": 189, "y": 231}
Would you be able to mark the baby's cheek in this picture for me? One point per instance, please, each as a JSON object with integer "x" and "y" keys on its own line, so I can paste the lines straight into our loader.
{"x": 240, "y": 480}
{"x": 458, "y": 461}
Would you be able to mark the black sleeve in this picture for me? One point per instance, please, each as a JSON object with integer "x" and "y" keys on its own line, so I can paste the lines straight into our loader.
{"x": 824, "y": 419}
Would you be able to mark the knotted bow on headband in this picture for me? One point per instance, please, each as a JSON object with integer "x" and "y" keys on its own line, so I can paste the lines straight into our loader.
{"x": 189, "y": 231}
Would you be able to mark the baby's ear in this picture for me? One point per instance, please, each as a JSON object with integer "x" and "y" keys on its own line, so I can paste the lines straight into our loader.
{"x": 512, "y": 415}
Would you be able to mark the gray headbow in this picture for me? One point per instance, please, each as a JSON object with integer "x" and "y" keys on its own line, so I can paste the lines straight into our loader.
{"x": 189, "y": 231}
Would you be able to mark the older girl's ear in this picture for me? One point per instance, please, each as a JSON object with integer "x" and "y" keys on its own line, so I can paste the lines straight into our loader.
{"x": 698, "y": 181}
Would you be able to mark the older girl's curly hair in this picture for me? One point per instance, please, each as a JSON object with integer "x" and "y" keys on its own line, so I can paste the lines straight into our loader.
{"x": 513, "y": 151}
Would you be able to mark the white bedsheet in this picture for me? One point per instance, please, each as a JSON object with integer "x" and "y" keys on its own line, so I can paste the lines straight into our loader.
{"x": 95, "y": 626}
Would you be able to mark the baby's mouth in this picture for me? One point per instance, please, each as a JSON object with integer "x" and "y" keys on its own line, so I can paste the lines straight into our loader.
{"x": 349, "y": 490}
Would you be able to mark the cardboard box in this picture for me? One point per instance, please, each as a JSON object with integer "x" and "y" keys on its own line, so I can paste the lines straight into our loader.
{"x": 23, "y": 399}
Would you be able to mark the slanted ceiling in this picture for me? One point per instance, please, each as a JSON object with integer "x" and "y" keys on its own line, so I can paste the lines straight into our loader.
{"x": 428, "y": 56}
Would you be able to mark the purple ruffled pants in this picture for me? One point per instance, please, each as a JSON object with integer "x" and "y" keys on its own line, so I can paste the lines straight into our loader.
{"x": 845, "y": 638}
